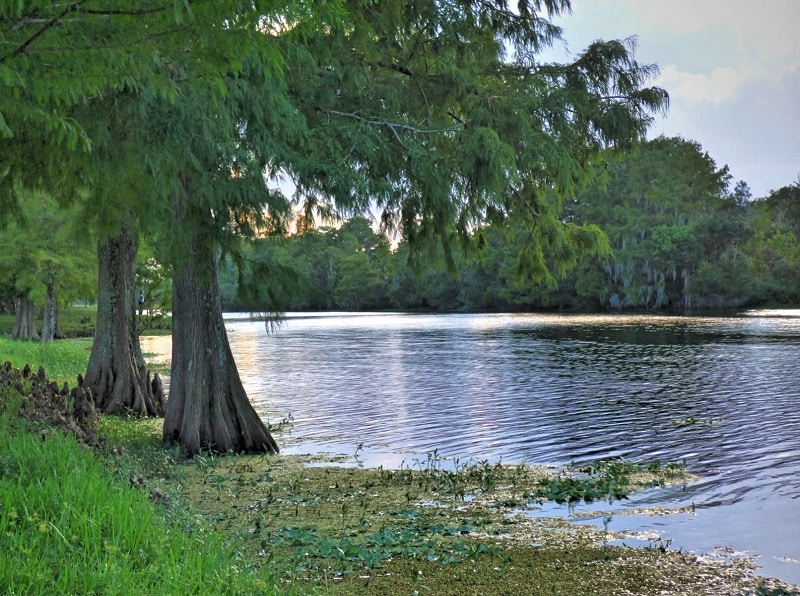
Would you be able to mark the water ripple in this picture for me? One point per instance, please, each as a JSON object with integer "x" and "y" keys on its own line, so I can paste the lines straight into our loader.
{"x": 720, "y": 393}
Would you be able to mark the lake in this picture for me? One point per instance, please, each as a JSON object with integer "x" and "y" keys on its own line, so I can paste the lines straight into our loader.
{"x": 721, "y": 394}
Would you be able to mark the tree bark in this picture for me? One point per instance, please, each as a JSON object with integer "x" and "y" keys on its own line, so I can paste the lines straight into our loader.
{"x": 24, "y": 325}
{"x": 57, "y": 332}
{"x": 117, "y": 374}
{"x": 208, "y": 407}
{"x": 49, "y": 316}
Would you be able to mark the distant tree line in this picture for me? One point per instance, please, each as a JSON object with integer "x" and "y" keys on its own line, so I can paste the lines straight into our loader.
{"x": 679, "y": 237}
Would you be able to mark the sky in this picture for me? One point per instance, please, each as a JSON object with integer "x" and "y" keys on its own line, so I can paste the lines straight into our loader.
{"x": 731, "y": 68}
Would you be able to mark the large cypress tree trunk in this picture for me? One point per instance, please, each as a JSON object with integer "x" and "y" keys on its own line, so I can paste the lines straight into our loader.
{"x": 24, "y": 325}
{"x": 117, "y": 374}
{"x": 208, "y": 406}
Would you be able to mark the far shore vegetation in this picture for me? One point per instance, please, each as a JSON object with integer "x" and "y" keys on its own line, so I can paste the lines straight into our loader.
{"x": 131, "y": 515}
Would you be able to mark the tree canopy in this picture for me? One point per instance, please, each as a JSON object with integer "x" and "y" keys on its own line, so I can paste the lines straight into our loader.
{"x": 438, "y": 114}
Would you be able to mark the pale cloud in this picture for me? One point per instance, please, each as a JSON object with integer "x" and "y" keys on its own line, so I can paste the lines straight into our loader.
{"x": 717, "y": 87}
{"x": 764, "y": 34}
{"x": 688, "y": 16}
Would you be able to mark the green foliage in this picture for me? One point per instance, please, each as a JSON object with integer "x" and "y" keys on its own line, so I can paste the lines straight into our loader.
{"x": 44, "y": 244}
{"x": 677, "y": 240}
{"x": 154, "y": 282}
{"x": 773, "y": 251}
{"x": 669, "y": 220}
{"x": 346, "y": 268}
{"x": 782, "y": 210}
{"x": 605, "y": 479}
{"x": 729, "y": 279}
{"x": 453, "y": 131}
{"x": 725, "y": 254}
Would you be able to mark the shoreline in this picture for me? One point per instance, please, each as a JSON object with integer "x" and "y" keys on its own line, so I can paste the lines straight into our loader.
{"x": 346, "y": 529}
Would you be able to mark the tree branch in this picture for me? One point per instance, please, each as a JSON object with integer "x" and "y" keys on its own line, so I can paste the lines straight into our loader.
{"x": 130, "y": 13}
{"x": 74, "y": 7}
{"x": 125, "y": 44}
{"x": 393, "y": 126}
{"x": 44, "y": 29}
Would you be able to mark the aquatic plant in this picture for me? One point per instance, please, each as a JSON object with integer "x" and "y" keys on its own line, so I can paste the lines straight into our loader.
{"x": 441, "y": 526}
{"x": 691, "y": 420}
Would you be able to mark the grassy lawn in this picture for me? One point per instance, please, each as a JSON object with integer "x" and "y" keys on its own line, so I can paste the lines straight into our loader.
{"x": 63, "y": 360}
{"x": 76, "y": 321}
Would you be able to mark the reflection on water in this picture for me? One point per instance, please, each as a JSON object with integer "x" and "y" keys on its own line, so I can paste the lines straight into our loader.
{"x": 555, "y": 389}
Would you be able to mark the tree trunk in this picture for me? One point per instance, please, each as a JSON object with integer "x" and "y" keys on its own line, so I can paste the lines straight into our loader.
{"x": 49, "y": 316}
{"x": 117, "y": 374}
{"x": 208, "y": 407}
{"x": 24, "y": 326}
{"x": 57, "y": 332}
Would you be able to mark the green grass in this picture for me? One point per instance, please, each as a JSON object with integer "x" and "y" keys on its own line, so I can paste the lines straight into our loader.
{"x": 63, "y": 360}
{"x": 77, "y": 321}
{"x": 71, "y": 526}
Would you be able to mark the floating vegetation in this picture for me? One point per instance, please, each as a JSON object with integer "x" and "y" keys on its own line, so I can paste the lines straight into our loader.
{"x": 314, "y": 522}
{"x": 691, "y": 420}
{"x": 438, "y": 525}
{"x": 606, "y": 480}
{"x": 285, "y": 423}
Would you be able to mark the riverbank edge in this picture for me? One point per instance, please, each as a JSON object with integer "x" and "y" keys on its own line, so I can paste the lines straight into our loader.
{"x": 322, "y": 524}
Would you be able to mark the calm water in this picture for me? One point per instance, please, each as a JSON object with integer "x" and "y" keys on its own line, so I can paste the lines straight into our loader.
{"x": 554, "y": 389}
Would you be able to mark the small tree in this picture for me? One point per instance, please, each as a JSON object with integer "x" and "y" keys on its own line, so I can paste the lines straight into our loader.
{"x": 45, "y": 258}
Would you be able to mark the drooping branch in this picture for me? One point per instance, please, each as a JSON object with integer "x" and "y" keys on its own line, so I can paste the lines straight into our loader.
{"x": 125, "y": 44}
{"x": 130, "y": 13}
{"x": 394, "y": 126}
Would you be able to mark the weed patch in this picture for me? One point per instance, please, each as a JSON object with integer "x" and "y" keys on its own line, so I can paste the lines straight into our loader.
{"x": 311, "y": 524}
